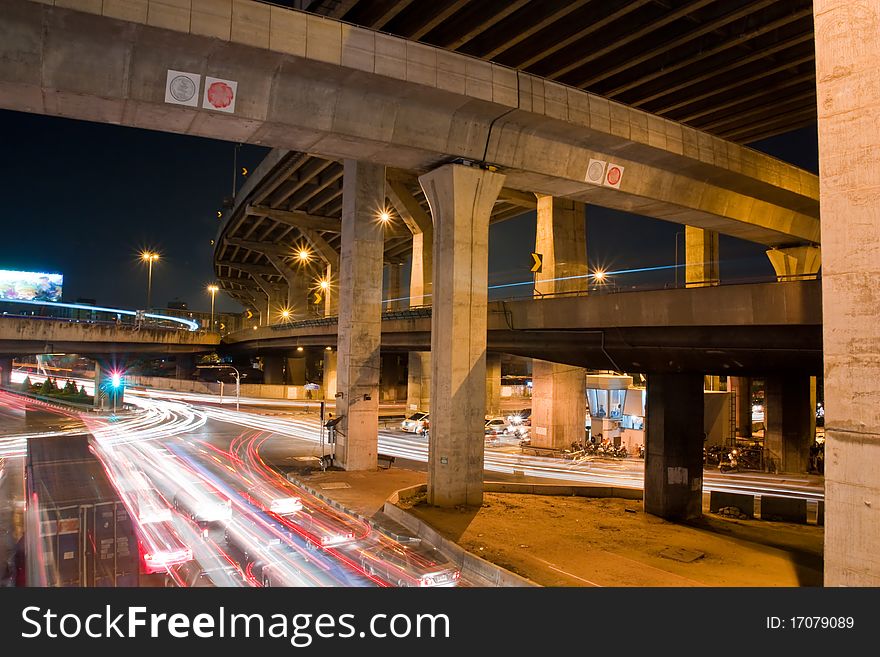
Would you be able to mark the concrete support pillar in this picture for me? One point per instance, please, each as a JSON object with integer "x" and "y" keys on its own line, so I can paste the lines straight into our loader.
{"x": 799, "y": 263}
{"x": 420, "y": 274}
{"x": 674, "y": 446}
{"x": 461, "y": 199}
{"x": 298, "y": 296}
{"x": 360, "y": 315}
{"x": 5, "y": 370}
{"x": 712, "y": 382}
{"x": 100, "y": 399}
{"x": 392, "y": 293}
{"x": 329, "y": 374}
{"x": 418, "y": 381}
{"x": 493, "y": 384}
{"x": 561, "y": 239}
{"x": 273, "y": 369}
{"x": 559, "y": 405}
{"x": 847, "y": 49}
{"x": 183, "y": 367}
{"x": 558, "y": 396}
{"x": 295, "y": 374}
{"x": 390, "y": 377}
{"x": 787, "y": 418}
{"x": 701, "y": 257}
{"x": 330, "y": 294}
{"x": 741, "y": 386}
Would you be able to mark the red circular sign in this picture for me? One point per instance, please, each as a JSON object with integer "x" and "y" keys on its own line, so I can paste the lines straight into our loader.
{"x": 613, "y": 176}
{"x": 220, "y": 94}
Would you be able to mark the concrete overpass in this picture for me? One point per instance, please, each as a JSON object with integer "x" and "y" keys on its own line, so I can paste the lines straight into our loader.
{"x": 473, "y": 128}
{"x": 737, "y": 330}
{"x": 20, "y": 335}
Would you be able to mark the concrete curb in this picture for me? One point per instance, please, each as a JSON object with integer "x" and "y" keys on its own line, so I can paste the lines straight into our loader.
{"x": 470, "y": 564}
{"x": 336, "y": 505}
{"x": 563, "y": 489}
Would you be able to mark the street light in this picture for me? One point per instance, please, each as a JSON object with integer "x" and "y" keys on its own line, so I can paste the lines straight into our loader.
{"x": 213, "y": 290}
{"x": 237, "y": 379}
{"x": 149, "y": 257}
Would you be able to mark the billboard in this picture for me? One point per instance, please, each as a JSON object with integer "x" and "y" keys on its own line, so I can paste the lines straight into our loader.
{"x": 30, "y": 285}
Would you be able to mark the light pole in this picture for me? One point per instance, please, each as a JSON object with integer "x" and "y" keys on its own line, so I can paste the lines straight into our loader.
{"x": 213, "y": 290}
{"x": 149, "y": 257}
{"x": 237, "y": 380}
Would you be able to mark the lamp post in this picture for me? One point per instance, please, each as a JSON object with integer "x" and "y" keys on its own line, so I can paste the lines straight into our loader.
{"x": 237, "y": 379}
{"x": 213, "y": 290}
{"x": 149, "y": 257}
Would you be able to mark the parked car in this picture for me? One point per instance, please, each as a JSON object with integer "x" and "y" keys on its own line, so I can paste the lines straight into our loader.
{"x": 495, "y": 426}
{"x": 415, "y": 423}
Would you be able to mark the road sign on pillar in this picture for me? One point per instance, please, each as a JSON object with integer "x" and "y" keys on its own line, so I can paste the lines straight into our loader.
{"x": 317, "y": 298}
{"x": 537, "y": 262}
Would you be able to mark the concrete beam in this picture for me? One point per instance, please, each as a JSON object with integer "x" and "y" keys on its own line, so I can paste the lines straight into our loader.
{"x": 253, "y": 270}
{"x": 266, "y": 248}
{"x": 373, "y": 106}
{"x": 297, "y": 218}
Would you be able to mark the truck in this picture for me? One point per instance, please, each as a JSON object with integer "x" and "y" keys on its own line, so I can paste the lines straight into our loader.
{"x": 79, "y": 532}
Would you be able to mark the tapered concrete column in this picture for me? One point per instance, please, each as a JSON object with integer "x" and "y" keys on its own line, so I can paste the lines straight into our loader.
{"x": 420, "y": 285}
{"x": 329, "y": 374}
{"x": 741, "y": 386}
{"x": 273, "y": 369}
{"x": 787, "y": 413}
{"x": 461, "y": 200}
{"x": 418, "y": 381}
{"x": 295, "y": 370}
{"x": 847, "y": 50}
{"x": 561, "y": 239}
{"x": 559, "y": 406}
{"x": 5, "y": 371}
{"x": 493, "y": 383}
{"x": 360, "y": 315}
{"x": 799, "y": 263}
{"x": 701, "y": 257}
{"x": 558, "y": 396}
{"x": 183, "y": 366}
{"x": 674, "y": 446}
{"x": 392, "y": 293}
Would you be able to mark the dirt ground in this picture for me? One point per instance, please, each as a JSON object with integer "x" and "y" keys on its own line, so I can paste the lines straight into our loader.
{"x": 576, "y": 541}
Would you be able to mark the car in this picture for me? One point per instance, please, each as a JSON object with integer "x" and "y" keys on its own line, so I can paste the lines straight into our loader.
{"x": 495, "y": 426}
{"x": 413, "y": 564}
{"x": 415, "y": 423}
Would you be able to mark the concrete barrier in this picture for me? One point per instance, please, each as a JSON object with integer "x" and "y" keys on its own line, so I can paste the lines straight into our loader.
{"x": 471, "y": 565}
{"x": 720, "y": 500}
{"x": 562, "y": 489}
{"x": 785, "y": 509}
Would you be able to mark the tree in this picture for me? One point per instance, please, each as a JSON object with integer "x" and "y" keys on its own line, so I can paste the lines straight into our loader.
{"x": 26, "y": 384}
{"x": 70, "y": 387}
{"x": 48, "y": 387}
{"x": 82, "y": 391}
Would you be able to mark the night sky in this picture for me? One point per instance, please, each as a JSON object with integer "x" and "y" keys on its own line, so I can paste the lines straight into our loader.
{"x": 84, "y": 199}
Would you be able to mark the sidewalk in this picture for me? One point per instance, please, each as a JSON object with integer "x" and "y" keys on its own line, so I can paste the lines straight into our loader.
{"x": 576, "y": 541}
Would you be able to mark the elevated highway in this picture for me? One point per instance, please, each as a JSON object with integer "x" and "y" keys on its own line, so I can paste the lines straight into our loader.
{"x": 319, "y": 86}
{"x": 733, "y": 329}
{"x": 21, "y": 335}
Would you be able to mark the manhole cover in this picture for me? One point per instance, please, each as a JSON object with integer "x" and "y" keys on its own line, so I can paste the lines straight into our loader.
{"x": 330, "y": 485}
{"x": 682, "y": 554}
